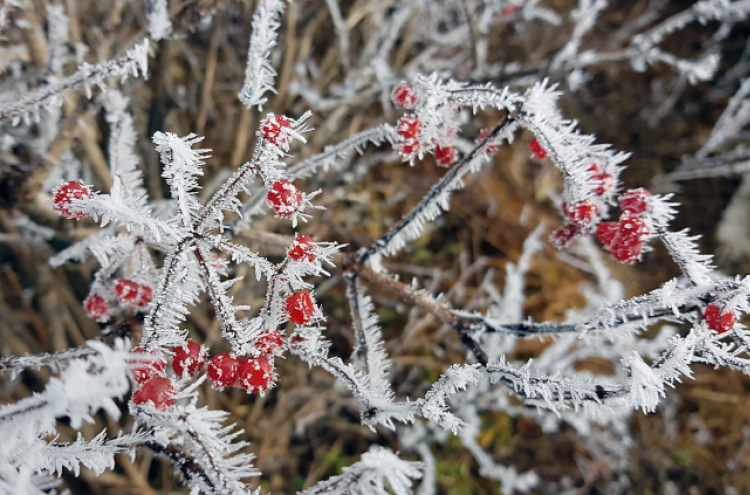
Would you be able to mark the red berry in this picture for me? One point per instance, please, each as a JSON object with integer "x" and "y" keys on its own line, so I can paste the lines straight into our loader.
{"x": 627, "y": 251}
{"x": 223, "y": 371}
{"x": 404, "y": 96}
{"x": 275, "y": 129}
{"x": 300, "y": 307}
{"x": 408, "y": 149}
{"x": 564, "y": 235}
{"x": 64, "y": 194}
{"x": 596, "y": 168}
{"x": 270, "y": 341}
{"x": 127, "y": 291}
{"x": 145, "y": 369}
{"x": 582, "y": 213}
{"x": 445, "y": 156}
{"x": 97, "y": 308}
{"x": 632, "y": 227}
{"x": 509, "y": 10}
{"x": 606, "y": 232}
{"x": 625, "y": 238}
{"x": 256, "y": 374}
{"x": 537, "y": 151}
{"x": 635, "y": 201}
{"x": 409, "y": 127}
{"x": 189, "y": 359}
{"x": 482, "y": 136}
{"x": 302, "y": 248}
{"x": 716, "y": 321}
{"x": 284, "y": 198}
{"x": 144, "y": 296}
{"x": 159, "y": 391}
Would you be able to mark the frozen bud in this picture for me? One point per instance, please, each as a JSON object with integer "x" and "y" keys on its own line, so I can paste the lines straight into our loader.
{"x": 159, "y": 391}
{"x": 285, "y": 199}
{"x": 275, "y": 129}
{"x": 300, "y": 307}
{"x": 97, "y": 308}
{"x": 302, "y": 248}
{"x": 404, "y": 96}
{"x": 64, "y": 194}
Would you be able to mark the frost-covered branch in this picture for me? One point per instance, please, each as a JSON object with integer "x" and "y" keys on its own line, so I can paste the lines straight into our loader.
{"x": 27, "y": 108}
{"x": 378, "y": 470}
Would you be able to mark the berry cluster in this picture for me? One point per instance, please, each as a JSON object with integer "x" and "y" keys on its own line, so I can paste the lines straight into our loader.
{"x": 250, "y": 374}
{"x": 583, "y": 217}
{"x": 129, "y": 294}
{"x": 155, "y": 387}
{"x": 624, "y": 239}
{"x": 150, "y": 373}
{"x": 63, "y": 196}
{"x": 717, "y": 321}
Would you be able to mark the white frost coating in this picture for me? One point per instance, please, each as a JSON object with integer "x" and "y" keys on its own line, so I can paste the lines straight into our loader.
{"x": 84, "y": 387}
{"x": 377, "y": 470}
{"x": 159, "y": 25}
{"x": 27, "y": 108}
{"x": 259, "y": 75}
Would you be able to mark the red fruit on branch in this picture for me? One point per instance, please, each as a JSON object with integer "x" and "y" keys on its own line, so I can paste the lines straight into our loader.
{"x": 300, "y": 307}
{"x": 64, "y": 194}
{"x": 635, "y": 201}
{"x": 445, "y": 156}
{"x": 717, "y": 321}
{"x": 302, "y": 248}
{"x": 144, "y": 296}
{"x": 582, "y": 213}
{"x": 537, "y": 151}
{"x": 404, "y": 96}
{"x": 409, "y": 127}
{"x": 275, "y": 129}
{"x": 189, "y": 359}
{"x": 606, "y": 232}
{"x": 564, "y": 235}
{"x": 270, "y": 341}
{"x": 152, "y": 365}
{"x": 408, "y": 149}
{"x": 625, "y": 238}
{"x": 96, "y": 308}
{"x": 127, "y": 291}
{"x": 284, "y": 198}
{"x": 159, "y": 391}
{"x": 223, "y": 371}
{"x": 255, "y": 374}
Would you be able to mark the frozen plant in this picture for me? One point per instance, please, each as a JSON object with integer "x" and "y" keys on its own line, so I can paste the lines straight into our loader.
{"x": 159, "y": 260}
